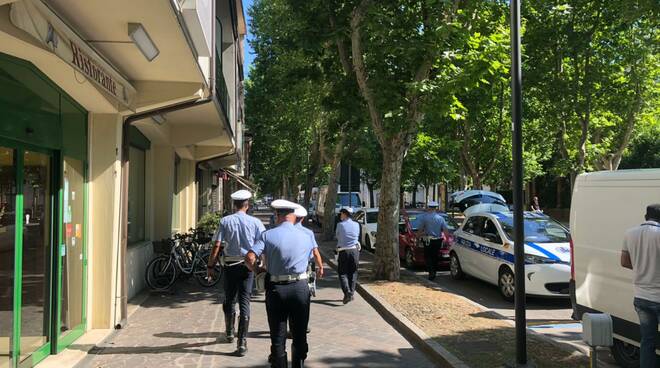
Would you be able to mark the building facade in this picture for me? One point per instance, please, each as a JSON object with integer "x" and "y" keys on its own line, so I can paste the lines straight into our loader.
{"x": 111, "y": 114}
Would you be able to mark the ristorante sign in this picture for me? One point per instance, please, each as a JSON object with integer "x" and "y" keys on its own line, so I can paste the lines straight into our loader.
{"x": 88, "y": 66}
{"x": 38, "y": 20}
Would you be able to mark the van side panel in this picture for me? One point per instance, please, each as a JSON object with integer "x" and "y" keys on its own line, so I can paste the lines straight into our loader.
{"x": 601, "y": 212}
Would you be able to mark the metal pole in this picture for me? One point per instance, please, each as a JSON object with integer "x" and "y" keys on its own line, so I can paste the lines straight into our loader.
{"x": 518, "y": 220}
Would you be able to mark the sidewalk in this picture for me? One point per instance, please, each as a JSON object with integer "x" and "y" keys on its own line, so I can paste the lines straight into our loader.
{"x": 185, "y": 330}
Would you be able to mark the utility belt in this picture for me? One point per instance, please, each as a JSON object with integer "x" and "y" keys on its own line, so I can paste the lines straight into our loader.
{"x": 230, "y": 261}
{"x": 354, "y": 246}
{"x": 426, "y": 240}
{"x": 286, "y": 279}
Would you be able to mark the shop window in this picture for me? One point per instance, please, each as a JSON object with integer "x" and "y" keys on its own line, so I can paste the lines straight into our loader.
{"x": 136, "y": 195}
{"x": 176, "y": 209}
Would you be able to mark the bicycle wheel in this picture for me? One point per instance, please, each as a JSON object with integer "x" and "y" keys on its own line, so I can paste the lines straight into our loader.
{"x": 200, "y": 273}
{"x": 160, "y": 273}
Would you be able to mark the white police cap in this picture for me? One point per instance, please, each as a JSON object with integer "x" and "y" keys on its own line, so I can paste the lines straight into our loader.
{"x": 348, "y": 209}
{"x": 433, "y": 204}
{"x": 241, "y": 195}
{"x": 300, "y": 211}
{"x": 283, "y": 204}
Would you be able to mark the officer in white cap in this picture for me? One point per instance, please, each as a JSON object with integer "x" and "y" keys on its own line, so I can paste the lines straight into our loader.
{"x": 287, "y": 250}
{"x": 239, "y": 232}
{"x": 347, "y": 233}
{"x": 432, "y": 227}
{"x": 301, "y": 214}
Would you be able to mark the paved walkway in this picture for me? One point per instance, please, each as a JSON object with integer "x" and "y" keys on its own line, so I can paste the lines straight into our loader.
{"x": 184, "y": 330}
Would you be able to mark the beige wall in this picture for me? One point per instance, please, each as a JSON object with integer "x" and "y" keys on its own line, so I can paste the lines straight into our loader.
{"x": 103, "y": 237}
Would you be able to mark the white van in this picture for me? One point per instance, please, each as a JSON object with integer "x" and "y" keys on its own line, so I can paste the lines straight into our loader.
{"x": 606, "y": 204}
{"x": 344, "y": 199}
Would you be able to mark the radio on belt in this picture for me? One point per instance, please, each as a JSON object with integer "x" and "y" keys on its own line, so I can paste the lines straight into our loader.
{"x": 597, "y": 329}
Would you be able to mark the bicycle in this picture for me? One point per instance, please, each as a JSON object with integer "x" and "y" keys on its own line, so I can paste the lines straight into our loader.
{"x": 185, "y": 257}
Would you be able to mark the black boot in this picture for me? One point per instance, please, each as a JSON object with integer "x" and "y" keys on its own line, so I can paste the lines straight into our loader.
{"x": 296, "y": 360}
{"x": 241, "y": 346}
{"x": 230, "y": 320}
{"x": 278, "y": 362}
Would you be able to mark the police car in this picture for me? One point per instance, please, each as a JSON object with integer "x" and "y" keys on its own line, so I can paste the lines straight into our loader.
{"x": 483, "y": 248}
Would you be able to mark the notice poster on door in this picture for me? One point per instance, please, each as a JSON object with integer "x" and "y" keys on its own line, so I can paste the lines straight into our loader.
{"x": 69, "y": 230}
{"x": 67, "y": 208}
{"x": 78, "y": 231}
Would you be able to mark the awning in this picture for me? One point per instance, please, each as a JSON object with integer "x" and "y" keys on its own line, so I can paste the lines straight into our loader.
{"x": 241, "y": 180}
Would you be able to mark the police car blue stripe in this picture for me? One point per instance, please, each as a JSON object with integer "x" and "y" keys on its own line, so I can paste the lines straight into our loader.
{"x": 484, "y": 249}
{"x": 544, "y": 251}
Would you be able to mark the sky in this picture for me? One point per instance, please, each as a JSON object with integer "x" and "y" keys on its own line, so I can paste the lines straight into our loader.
{"x": 249, "y": 56}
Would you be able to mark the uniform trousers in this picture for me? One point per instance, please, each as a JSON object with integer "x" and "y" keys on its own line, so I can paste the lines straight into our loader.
{"x": 288, "y": 302}
{"x": 237, "y": 283}
{"x": 347, "y": 268}
{"x": 431, "y": 255}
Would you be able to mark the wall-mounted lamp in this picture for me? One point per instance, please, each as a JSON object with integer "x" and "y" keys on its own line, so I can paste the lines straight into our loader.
{"x": 142, "y": 40}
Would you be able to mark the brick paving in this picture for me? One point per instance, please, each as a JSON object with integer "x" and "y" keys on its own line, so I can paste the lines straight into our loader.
{"x": 184, "y": 330}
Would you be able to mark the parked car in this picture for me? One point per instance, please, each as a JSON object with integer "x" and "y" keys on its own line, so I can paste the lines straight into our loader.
{"x": 486, "y": 200}
{"x": 411, "y": 249}
{"x": 368, "y": 220}
{"x": 483, "y": 248}
{"x": 604, "y": 205}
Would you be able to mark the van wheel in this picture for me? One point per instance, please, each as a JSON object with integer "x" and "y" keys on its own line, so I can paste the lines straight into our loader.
{"x": 455, "y": 269}
{"x": 627, "y": 355}
{"x": 507, "y": 284}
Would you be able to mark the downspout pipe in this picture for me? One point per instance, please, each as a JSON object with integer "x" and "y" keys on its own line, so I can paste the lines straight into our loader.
{"x": 122, "y": 299}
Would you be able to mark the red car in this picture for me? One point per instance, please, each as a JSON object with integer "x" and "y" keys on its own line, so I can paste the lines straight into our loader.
{"x": 411, "y": 251}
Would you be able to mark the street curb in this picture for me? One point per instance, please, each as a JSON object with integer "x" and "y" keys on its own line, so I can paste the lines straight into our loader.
{"x": 438, "y": 354}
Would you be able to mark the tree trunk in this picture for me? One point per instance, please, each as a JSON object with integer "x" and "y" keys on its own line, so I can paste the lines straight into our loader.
{"x": 371, "y": 195}
{"x": 559, "y": 192}
{"x": 414, "y": 196}
{"x": 331, "y": 196}
{"x": 387, "y": 264}
{"x": 426, "y": 200}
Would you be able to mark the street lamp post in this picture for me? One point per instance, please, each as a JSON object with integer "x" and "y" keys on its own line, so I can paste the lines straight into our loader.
{"x": 518, "y": 219}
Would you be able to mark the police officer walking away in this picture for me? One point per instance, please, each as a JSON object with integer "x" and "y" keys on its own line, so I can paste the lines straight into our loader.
{"x": 287, "y": 250}
{"x": 434, "y": 226}
{"x": 239, "y": 231}
{"x": 347, "y": 233}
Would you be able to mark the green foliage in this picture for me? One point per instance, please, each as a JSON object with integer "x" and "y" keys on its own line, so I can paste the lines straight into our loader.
{"x": 209, "y": 222}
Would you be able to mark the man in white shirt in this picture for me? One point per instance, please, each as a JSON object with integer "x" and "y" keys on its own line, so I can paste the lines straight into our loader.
{"x": 347, "y": 233}
{"x": 641, "y": 253}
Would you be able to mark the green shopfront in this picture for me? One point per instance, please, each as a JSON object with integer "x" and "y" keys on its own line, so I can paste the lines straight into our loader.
{"x": 43, "y": 207}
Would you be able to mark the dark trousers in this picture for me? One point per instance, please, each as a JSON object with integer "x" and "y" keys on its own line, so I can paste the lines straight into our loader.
{"x": 237, "y": 283}
{"x": 431, "y": 255}
{"x": 288, "y": 302}
{"x": 347, "y": 268}
{"x": 649, "y": 316}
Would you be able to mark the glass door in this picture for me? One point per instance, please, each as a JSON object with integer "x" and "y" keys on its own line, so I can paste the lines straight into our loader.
{"x": 37, "y": 251}
{"x": 7, "y": 252}
{"x": 27, "y": 234}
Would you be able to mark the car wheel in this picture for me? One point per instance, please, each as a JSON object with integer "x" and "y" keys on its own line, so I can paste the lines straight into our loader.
{"x": 455, "y": 269}
{"x": 627, "y": 355}
{"x": 507, "y": 284}
{"x": 368, "y": 243}
{"x": 410, "y": 259}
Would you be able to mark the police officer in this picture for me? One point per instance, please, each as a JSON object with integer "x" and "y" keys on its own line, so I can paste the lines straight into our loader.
{"x": 301, "y": 214}
{"x": 286, "y": 249}
{"x": 434, "y": 226}
{"x": 347, "y": 233}
{"x": 239, "y": 231}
